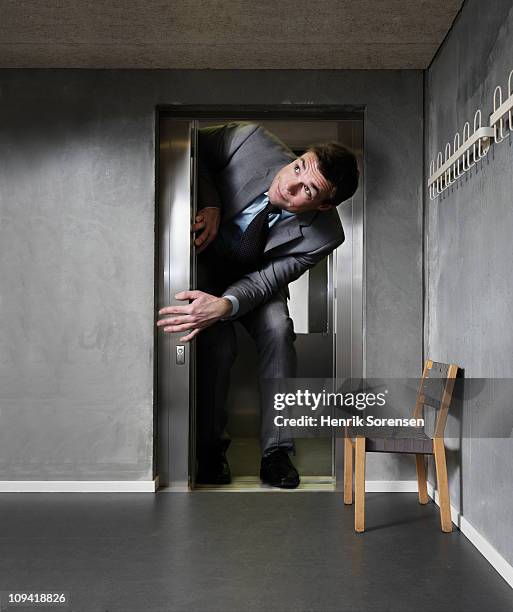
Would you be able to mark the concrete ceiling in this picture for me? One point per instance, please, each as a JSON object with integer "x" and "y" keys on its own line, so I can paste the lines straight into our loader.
{"x": 293, "y": 34}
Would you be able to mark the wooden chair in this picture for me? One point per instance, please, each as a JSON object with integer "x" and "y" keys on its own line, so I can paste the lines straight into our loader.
{"x": 435, "y": 390}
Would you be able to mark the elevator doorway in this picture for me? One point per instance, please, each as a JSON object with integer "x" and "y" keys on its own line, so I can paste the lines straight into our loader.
{"x": 326, "y": 305}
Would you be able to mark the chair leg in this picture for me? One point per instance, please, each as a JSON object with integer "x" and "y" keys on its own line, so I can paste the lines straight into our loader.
{"x": 421, "y": 479}
{"x": 359, "y": 485}
{"x": 442, "y": 484}
{"x": 348, "y": 471}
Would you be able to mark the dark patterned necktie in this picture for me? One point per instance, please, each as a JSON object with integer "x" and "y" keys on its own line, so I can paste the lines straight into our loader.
{"x": 249, "y": 251}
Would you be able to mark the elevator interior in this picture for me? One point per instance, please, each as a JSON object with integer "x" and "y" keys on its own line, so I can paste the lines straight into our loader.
{"x": 326, "y": 305}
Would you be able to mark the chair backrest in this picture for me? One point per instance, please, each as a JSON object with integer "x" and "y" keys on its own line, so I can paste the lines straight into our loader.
{"x": 435, "y": 390}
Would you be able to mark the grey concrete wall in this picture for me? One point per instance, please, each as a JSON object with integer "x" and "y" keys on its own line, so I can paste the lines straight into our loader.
{"x": 77, "y": 222}
{"x": 469, "y": 251}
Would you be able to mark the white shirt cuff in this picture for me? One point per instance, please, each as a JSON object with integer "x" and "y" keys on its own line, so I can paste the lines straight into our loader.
{"x": 235, "y": 306}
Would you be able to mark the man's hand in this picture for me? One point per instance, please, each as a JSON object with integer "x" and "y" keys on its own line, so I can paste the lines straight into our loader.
{"x": 207, "y": 220}
{"x": 204, "y": 310}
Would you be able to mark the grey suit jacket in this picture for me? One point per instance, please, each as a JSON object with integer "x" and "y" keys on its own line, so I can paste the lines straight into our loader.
{"x": 237, "y": 163}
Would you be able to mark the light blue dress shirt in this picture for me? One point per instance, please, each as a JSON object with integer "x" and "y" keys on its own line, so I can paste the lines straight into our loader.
{"x": 233, "y": 231}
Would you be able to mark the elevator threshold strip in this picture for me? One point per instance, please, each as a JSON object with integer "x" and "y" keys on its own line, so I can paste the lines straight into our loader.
{"x": 247, "y": 484}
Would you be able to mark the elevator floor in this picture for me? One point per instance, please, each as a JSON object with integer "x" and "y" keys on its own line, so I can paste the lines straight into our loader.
{"x": 205, "y": 551}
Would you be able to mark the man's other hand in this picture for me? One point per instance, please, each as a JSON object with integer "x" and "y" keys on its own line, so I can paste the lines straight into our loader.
{"x": 207, "y": 221}
{"x": 204, "y": 310}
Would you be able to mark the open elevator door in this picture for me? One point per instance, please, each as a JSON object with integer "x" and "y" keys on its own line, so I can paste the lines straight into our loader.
{"x": 176, "y": 271}
{"x": 343, "y": 279}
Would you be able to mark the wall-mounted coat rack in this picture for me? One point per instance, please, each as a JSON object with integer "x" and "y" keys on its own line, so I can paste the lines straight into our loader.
{"x": 464, "y": 152}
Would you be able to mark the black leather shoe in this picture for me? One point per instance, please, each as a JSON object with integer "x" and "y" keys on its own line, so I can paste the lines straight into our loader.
{"x": 214, "y": 470}
{"x": 277, "y": 470}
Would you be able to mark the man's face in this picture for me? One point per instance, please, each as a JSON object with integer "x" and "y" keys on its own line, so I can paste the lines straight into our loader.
{"x": 300, "y": 186}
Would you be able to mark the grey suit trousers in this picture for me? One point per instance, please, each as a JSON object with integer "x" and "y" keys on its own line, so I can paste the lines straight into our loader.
{"x": 272, "y": 330}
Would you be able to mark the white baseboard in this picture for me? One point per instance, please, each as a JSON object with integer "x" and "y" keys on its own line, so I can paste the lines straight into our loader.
{"x": 391, "y": 486}
{"x": 496, "y": 560}
{"x": 79, "y": 486}
{"x": 150, "y": 486}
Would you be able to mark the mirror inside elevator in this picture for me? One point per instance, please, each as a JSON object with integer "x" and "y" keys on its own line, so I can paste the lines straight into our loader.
{"x": 325, "y": 305}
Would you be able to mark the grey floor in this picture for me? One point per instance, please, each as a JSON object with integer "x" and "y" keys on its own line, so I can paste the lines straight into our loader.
{"x": 241, "y": 551}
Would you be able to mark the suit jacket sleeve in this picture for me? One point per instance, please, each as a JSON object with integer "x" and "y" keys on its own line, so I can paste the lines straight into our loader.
{"x": 259, "y": 286}
{"x": 216, "y": 147}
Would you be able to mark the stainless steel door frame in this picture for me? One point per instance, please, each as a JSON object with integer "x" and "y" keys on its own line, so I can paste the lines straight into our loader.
{"x": 176, "y": 272}
{"x": 176, "y": 205}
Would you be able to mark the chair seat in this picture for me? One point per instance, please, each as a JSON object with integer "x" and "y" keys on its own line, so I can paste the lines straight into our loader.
{"x": 394, "y": 439}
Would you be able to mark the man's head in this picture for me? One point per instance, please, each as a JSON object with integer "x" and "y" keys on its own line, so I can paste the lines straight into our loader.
{"x": 323, "y": 177}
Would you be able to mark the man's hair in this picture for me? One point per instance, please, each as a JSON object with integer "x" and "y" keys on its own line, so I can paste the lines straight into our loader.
{"x": 338, "y": 165}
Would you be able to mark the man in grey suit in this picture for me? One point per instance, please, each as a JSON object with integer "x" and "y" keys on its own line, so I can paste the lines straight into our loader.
{"x": 264, "y": 217}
